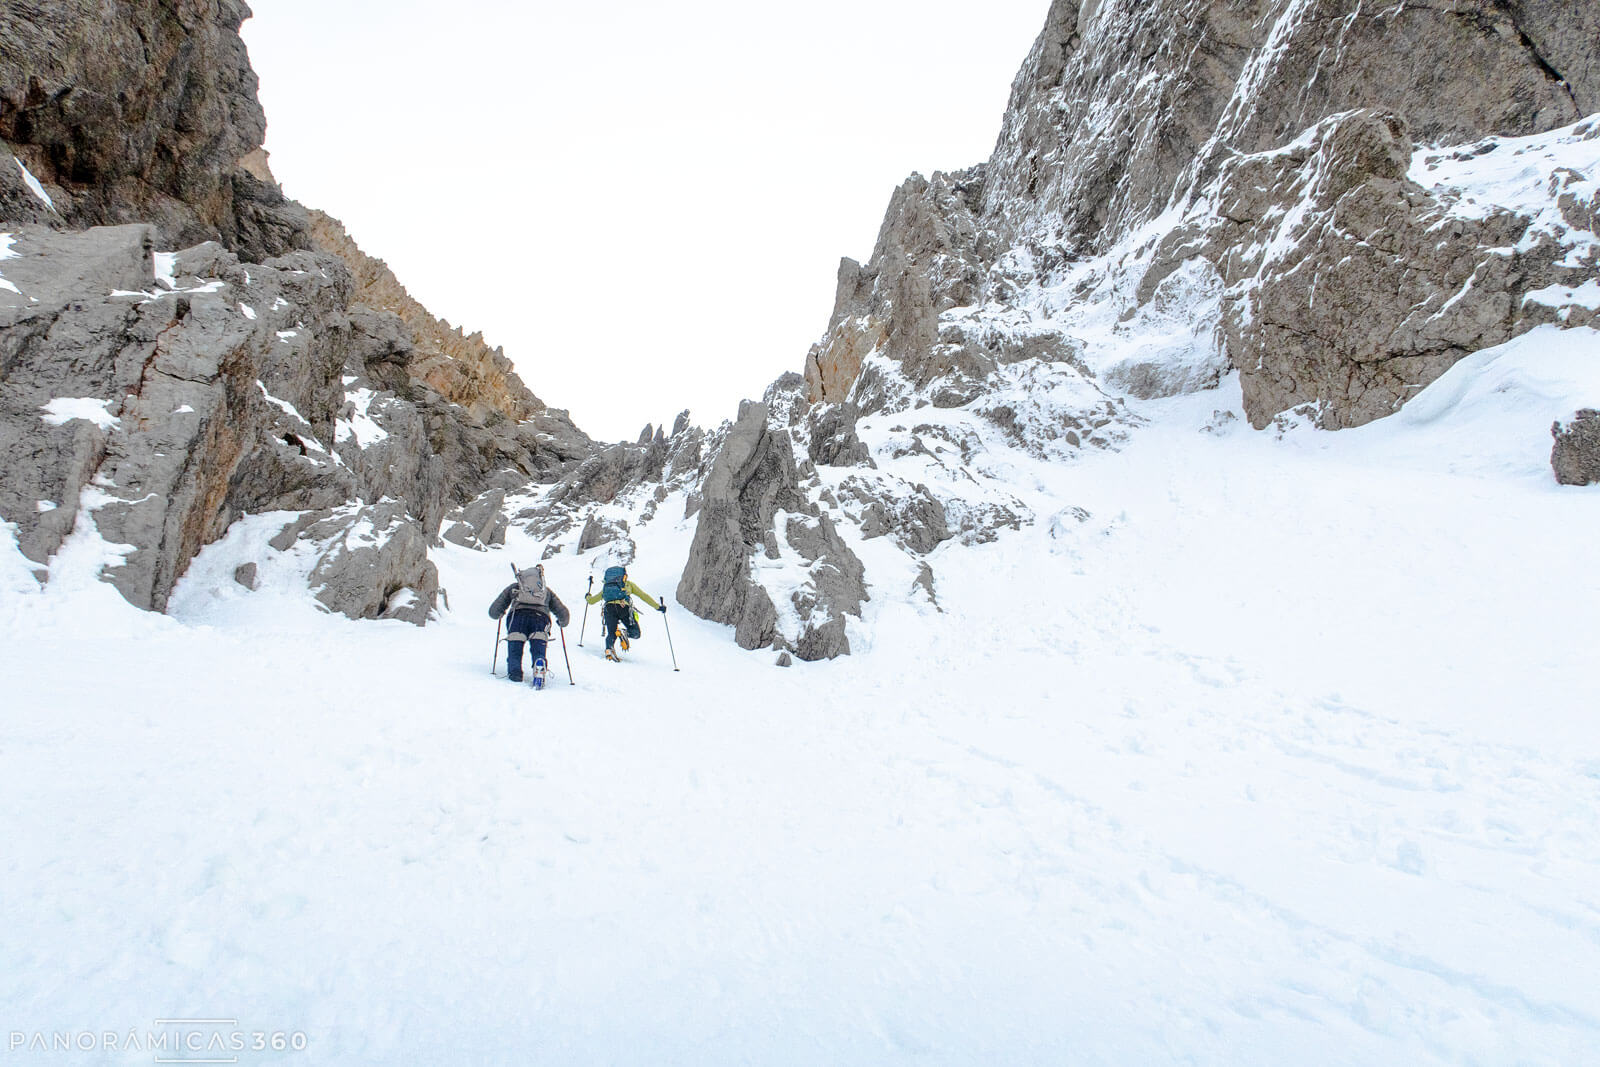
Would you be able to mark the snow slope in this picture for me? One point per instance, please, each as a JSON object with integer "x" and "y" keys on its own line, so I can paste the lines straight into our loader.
{"x": 1277, "y": 750}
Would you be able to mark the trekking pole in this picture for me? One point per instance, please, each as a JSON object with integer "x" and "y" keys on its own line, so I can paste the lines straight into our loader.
{"x": 669, "y": 636}
{"x": 565, "y": 656}
{"x": 585, "y": 625}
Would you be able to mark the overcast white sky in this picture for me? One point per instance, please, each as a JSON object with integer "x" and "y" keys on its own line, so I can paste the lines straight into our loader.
{"x": 644, "y": 203}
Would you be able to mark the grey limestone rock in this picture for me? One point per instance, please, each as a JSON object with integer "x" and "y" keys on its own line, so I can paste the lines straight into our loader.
{"x": 480, "y": 524}
{"x": 1361, "y": 307}
{"x": 1174, "y": 88}
{"x": 385, "y": 442}
{"x": 598, "y": 531}
{"x": 373, "y": 563}
{"x": 919, "y": 521}
{"x": 837, "y": 584}
{"x": 161, "y": 399}
{"x": 143, "y": 111}
{"x": 1576, "y": 455}
{"x": 19, "y": 204}
{"x": 752, "y": 480}
{"x": 619, "y": 472}
{"x": 1123, "y": 113}
{"x": 602, "y": 476}
{"x": 221, "y": 398}
{"x": 381, "y": 347}
{"x": 915, "y": 519}
{"x": 931, "y": 256}
{"x": 177, "y": 378}
{"x": 832, "y": 432}
{"x": 786, "y": 399}
{"x": 925, "y": 582}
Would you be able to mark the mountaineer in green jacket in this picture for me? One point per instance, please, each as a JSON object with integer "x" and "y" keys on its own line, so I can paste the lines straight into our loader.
{"x": 620, "y": 621}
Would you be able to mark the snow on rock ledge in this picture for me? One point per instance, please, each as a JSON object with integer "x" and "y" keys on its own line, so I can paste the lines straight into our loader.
{"x": 1351, "y": 285}
{"x": 374, "y": 564}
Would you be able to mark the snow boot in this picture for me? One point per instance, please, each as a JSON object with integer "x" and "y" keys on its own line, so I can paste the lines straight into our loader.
{"x": 622, "y": 637}
{"x": 612, "y": 656}
{"x": 538, "y": 674}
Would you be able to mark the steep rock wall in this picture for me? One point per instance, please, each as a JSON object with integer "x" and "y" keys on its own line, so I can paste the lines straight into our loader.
{"x": 1254, "y": 159}
{"x": 139, "y": 111}
{"x": 1124, "y": 107}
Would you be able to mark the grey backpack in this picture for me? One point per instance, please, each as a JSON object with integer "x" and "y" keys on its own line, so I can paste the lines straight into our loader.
{"x": 531, "y": 591}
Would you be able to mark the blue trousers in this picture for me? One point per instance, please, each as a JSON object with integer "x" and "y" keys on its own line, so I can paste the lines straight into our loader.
{"x": 514, "y": 656}
{"x": 523, "y": 621}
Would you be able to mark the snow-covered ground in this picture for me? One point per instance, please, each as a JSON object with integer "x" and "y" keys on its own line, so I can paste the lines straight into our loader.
{"x": 1286, "y": 753}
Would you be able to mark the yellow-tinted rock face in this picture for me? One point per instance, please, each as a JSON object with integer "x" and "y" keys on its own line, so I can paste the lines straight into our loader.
{"x": 460, "y": 367}
{"x": 833, "y": 365}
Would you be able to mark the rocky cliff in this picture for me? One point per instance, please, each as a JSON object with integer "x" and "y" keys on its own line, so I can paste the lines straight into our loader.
{"x": 1259, "y": 154}
{"x": 220, "y": 354}
{"x": 1335, "y": 202}
{"x": 138, "y": 112}
{"x": 461, "y": 368}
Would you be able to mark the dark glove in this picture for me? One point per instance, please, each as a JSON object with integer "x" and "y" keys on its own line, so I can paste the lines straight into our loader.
{"x": 663, "y": 607}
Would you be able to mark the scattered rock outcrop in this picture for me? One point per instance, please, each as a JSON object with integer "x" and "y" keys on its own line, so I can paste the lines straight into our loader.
{"x": 764, "y": 558}
{"x": 832, "y": 432}
{"x": 917, "y": 520}
{"x": 480, "y": 524}
{"x": 584, "y": 509}
{"x": 1576, "y": 455}
{"x": 373, "y": 564}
